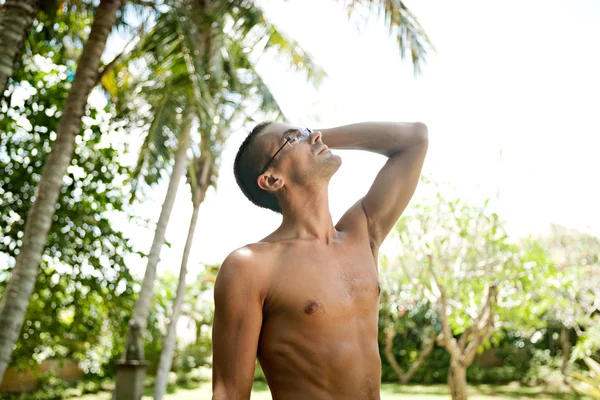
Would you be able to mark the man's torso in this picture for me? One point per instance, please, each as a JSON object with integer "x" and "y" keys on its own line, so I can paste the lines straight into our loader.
{"x": 320, "y": 318}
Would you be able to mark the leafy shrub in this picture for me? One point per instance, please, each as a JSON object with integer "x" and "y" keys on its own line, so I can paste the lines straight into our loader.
{"x": 588, "y": 383}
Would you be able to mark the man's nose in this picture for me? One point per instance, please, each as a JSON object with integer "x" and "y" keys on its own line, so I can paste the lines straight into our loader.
{"x": 315, "y": 137}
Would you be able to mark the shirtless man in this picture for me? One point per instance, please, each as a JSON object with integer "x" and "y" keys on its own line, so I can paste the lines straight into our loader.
{"x": 305, "y": 299}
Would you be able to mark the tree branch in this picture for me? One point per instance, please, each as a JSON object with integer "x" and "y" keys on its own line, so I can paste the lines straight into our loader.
{"x": 426, "y": 348}
{"x": 449, "y": 341}
{"x": 390, "y": 334}
{"x": 483, "y": 327}
{"x": 462, "y": 341}
{"x": 482, "y": 339}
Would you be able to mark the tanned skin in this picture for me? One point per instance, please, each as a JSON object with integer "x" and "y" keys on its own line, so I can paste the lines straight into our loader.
{"x": 305, "y": 299}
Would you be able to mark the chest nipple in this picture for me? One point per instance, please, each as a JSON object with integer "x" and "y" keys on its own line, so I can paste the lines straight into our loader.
{"x": 311, "y": 307}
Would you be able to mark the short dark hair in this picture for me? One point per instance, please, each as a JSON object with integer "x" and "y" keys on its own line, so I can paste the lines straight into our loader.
{"x": 246, "y": 168}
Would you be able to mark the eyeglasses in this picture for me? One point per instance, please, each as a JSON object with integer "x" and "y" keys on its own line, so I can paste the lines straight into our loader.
{"x": 294, "y": 136}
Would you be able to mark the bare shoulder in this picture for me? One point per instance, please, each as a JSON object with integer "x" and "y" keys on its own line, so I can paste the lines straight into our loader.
{"x": 354, "y": 223}
{"x": 244, "y": 270}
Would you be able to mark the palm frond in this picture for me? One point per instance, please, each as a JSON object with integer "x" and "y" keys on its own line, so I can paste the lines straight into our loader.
{"x": 154, "y": 150}
{"x": 254, "y": 32}
{"x": 403, "y": 26}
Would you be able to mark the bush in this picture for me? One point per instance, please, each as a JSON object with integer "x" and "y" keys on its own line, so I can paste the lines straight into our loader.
{"x": 544, "y": 368}
{"x": 196, "y": 375}
{"x": 191, "y": 357}
{"x": 503, "y": 374}
{"x": 51, "y": 388}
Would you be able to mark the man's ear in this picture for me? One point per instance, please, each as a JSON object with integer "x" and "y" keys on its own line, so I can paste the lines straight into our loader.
{"x": 270, "y": 183}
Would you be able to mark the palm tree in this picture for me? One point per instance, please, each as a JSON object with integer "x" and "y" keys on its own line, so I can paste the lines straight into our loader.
{"x": 200, "y": 175}
{"x": 231, "y": 98}
{"x": 16, "y": 17}
{"x": 178, "y": 80}
{"x": 16, "y": 298}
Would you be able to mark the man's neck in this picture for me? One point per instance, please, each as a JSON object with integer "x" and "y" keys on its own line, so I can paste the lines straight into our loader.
{"x": 306, "y": 215}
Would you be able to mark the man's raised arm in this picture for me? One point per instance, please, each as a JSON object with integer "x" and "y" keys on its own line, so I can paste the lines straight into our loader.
{"x": 405, "y": 145}
{"x": 236, "y": 327}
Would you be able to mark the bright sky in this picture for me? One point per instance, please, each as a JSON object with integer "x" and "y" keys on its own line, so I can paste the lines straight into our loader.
{"x": 512, "y": 76}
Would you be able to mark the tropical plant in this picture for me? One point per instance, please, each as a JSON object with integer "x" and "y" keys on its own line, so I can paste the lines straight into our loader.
{"x": 16, "y": 297}
{"x": 403, "y": 26}
{"x": 587, "y": 384}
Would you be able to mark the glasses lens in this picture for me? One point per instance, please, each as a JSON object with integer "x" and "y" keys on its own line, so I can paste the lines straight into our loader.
{"x": 303, "y": 134}
{"x": 299, "y": 136}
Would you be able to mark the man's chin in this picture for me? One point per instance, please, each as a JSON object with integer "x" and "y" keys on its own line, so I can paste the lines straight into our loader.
{"x": 337, "y": 159}
{"x": 333, "y": 164}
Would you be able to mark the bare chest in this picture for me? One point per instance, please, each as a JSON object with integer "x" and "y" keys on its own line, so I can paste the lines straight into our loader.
{"x": 335, "y": 283}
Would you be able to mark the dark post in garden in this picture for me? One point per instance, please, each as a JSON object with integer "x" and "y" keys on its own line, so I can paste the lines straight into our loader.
{"x": 132, "y": 370}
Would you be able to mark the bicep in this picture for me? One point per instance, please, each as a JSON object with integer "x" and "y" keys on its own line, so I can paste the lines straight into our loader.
{"x": 392, "y": 190}
{"x": 236, "y": 330}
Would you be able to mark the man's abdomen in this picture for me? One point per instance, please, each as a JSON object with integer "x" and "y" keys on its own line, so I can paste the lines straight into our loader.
{"x": 324, "y": 359}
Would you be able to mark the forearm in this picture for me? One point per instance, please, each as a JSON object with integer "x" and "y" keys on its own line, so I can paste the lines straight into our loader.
{"x": 386, "y": 138}
{"x": 222, "y": 392}
{"x": 231, "y": 385}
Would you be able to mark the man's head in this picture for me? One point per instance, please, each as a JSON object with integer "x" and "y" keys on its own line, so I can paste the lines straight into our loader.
{"x": 276, "y": 157}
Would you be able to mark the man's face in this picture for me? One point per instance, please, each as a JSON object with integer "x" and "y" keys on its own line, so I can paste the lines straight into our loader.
{"x": 304, "y": 160}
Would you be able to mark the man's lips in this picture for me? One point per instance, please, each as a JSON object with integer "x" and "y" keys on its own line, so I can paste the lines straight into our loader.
{"x": 323, "y": 149}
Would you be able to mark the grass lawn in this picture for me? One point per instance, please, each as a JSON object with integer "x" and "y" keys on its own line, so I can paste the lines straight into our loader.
{"x": 388, "y": 392}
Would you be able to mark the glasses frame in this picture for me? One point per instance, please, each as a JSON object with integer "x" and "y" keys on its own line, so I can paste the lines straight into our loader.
{"x": 288, "y": 140}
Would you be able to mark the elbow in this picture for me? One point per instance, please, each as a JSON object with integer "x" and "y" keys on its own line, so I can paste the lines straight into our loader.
{"x": 411, "y": 136}
{"x": 421, "y": 132}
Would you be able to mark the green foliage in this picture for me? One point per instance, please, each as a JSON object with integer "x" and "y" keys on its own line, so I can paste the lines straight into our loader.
{"x": 572, "y": 286}
{"x": 544, "y": 368}
{"x": 84, "y": 289}
{"x": 259, "y": 374}
{"x": 512, "y": 355}
{"x": 161, "y": 308}
{"x": 449, "y": 254}
{"x": 53, "y": 388}
{"x": 589, "y": 342}
{"x": 444, "y": 241}
{"x": 588, "y": 384}
{"x": 402, "y": 24}
{"x": 413, "y": 319}
{"x": 198, "y": 308}
{"x": 189, "y": 61}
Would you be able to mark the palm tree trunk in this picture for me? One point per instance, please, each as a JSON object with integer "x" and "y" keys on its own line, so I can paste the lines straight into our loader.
{"x": 142, "y": 305}
{"x": 166, "y": 355}
{"x": 16, "y": 299}
{"x": 15, "y": 20}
